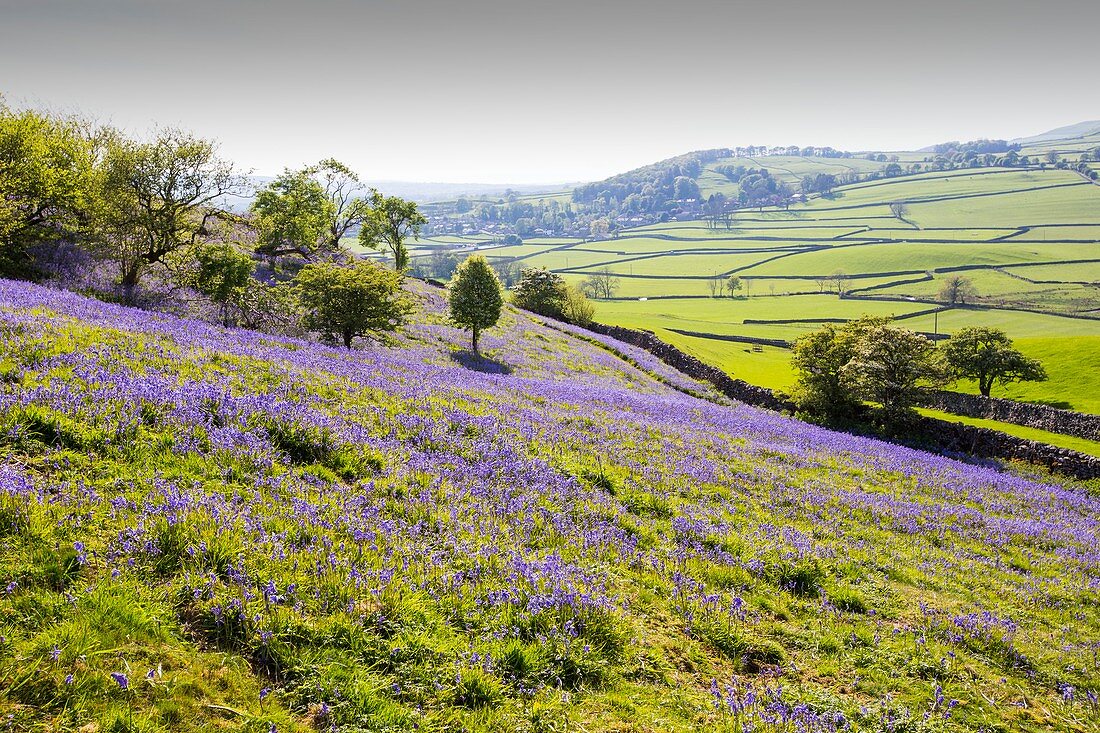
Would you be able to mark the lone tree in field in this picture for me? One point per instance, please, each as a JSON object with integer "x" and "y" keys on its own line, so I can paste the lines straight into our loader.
{"x": 987, "y": 356}
{"x": 957, "y": 290}
{"x": 390, "y": 221}
{"x": 898, "y": 209}
{"x": 475, "y": 297}
{"x": 892, "y": 366}
{"x": 540, "y": 291}
{"x": 346, "y": 301}
{"x": 733, "y": 285}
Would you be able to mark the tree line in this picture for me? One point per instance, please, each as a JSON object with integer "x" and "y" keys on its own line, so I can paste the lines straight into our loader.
{"x": 146, "y": 221}
{"x": 840, "y": 368}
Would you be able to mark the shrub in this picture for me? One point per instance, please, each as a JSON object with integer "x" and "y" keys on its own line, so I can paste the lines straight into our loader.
{"x": 541, "y": 291}
{"x": 352, "y": 300}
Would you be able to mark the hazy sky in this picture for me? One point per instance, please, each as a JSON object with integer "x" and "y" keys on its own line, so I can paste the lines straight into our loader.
{"x": 498, "y": 91}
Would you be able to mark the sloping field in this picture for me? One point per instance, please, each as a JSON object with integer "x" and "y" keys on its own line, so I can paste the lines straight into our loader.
{"x": 210, "y": 529}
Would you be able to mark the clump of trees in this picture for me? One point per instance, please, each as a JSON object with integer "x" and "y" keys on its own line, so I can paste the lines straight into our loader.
{"x": 840, "y": 367}
{"x": 154, "y": 215}
{"x": 475, "y": 297}
{"x": 544, "y": 292}
{"x": 600, "y": 284}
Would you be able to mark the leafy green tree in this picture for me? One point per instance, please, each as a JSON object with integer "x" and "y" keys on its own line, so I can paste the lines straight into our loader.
{"x": 475, "y": 297}
{"x": 957, "y": 289}
{"x": 390, "y": 221}
{"x": 987, "y": 356}
{"x": 46, "y": 181}
{"x": 577, "y": 308}
{"x": 733, "y": 285}
{"x": 346, "y": 301}
{"x": 892, "y": 366}
{"x": 540, "y": 291}
{"x": 341, "y": 186}
{"x": 157, "y": 198}
{"x": 818, "y": 359}
{"x": 293, "y": 216}
{"x": 221, "y": 274}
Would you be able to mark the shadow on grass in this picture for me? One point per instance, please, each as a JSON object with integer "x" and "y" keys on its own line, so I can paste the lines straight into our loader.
{"x": 481, "y": 363}
{"x": 1057, "y": 404}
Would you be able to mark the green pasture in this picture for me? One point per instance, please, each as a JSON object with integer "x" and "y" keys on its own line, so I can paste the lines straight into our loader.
{"x": 703, "y": 265}
{"x": 920, "y": 257}
{"x": 1069, "y": 204}
{"x": 1048, "y": 233}
{"x": 1088, "y": 272}
{"x": 935, "y": 187}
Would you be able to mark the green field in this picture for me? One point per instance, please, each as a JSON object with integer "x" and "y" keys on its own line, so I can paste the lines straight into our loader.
{"x": 1027, "y": 238}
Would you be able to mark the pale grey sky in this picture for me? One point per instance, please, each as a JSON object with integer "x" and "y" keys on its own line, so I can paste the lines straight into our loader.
{"x": 499, "y": 91}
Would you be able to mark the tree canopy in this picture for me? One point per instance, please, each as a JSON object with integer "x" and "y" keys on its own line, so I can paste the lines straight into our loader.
{"x": 475, "y": 298}
{"x": 158, "y": 197}
{"x": 540, "y": 291}
{"x": 987, "y": 356}
{"x": 46, "y": 183}
{"x": 891, "y": 366}
{"x": 818, "y": 359}
{"x": 345, "y": 301}
{"x": 390, "y": 221}
{"x": 293, "y": 215}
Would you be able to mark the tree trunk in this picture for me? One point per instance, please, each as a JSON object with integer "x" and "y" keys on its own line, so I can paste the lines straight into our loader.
{"x": 476, "y": 352}
{"x": 348, "y": 336}
{"x": 129, "y": 284}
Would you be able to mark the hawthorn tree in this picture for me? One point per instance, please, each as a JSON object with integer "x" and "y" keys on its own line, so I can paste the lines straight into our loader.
{"x": 475, "y": 298}
{"x": 540, "y": 291}
{"x": 221, "y": 274}
{"x": 390, "y": 221}
{"x": 346, "y": 301}
{"x": 987, "y": 356}
{"x": 818, "y": 359}
{"x": 892, "y": 366}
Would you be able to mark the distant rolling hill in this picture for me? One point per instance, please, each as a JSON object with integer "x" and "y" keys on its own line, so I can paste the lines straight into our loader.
{"x": 1081, "y": 129}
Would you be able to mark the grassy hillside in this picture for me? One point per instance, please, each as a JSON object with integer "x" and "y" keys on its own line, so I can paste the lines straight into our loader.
{"x": 208, "y": 529}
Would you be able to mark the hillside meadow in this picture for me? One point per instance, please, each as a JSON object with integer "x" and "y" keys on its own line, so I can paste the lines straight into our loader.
{"x": 206, "y": 528}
